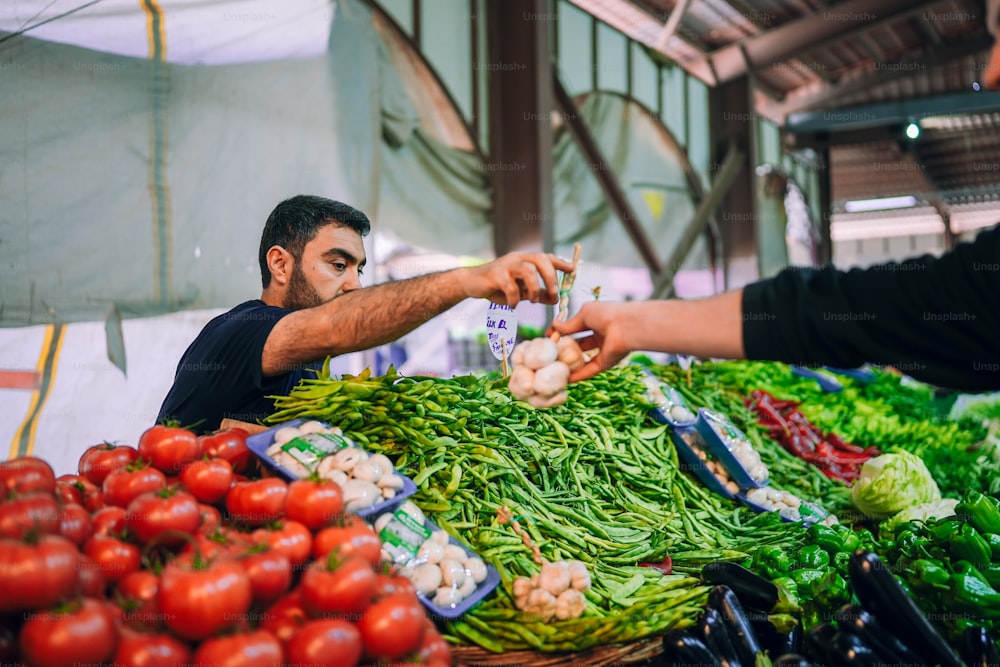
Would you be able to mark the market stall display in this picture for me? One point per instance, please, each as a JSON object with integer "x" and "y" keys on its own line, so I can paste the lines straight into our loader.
{"x": 509, "y": 502}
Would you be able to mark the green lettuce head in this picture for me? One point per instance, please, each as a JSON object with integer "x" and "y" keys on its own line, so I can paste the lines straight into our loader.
{"x": 892, "y": 483}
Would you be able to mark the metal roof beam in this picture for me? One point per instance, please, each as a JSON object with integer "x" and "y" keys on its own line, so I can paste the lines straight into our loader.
{"x": 891, "y": 113}
{"x": 886, "y": 72}
{"x": 802, "y": 35}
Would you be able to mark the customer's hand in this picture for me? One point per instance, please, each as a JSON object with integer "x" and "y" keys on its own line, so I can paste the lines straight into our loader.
{"x": 609, "y": 336}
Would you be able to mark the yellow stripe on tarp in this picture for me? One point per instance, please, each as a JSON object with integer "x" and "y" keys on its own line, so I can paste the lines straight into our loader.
{"x": 48, "y": 361}
{"x": 159, "y": 189}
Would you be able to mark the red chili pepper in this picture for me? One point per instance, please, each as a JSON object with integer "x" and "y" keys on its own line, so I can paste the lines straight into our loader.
{"x": 666, "y": 566}
{"x": 839, "y": 443}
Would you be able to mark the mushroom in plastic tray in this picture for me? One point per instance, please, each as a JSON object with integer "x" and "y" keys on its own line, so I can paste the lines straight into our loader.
{"x": 670, "y": 406}
{"x": 705, "y": 467}
{"x": 449, "y": 579}
{"x": 300, "y": 448}
{"x": 732, "y": 447}
{"x": 787, "y": 504}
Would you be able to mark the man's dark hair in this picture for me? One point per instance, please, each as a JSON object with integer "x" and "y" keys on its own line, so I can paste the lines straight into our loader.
{"x": 295, "y": 221}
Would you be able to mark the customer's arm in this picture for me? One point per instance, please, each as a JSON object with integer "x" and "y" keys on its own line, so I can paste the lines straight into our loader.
{"x": 935, "y": 319}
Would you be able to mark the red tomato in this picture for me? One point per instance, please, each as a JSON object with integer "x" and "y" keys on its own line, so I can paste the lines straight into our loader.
{"x": 211, "y": 518}
{"x": 285, "y": 617}
{"x": 33, "y": 512}
{"x": 354, "y": 537}
{"x": 168, "y": 448}
{"x": 270, "y": 574}
{"x": 314, "y": 504}
{"x": 434, "y": 647}
{"x": 290, "y": 538}
{"x": 255, "y": 503}
{"x": 75, "y": 523}
{"x": 208, "y": 480}
{"x": 391, "y": 584}
{"x": 138, "y": 586}
{"x": 26, "y": 474}
{"x": 84, "y": 635}
{"x": 136, "y": 595}
{"x": 165, "y": 515}
{"x": 222, "y": 542}
{"x": 115, "y": 557}
{"x": 90, "y": 582}
{"x": 230, "y": 445}
{"x": 393, "y": 627}
{"x": 345, "y": 586}
{"x": 108, "y": 520}
{"x": 36, "y": 576}
{"x": 139, "y": 649}
{"x": 126, "y": 484}
{"x": 325, "y": 642}
{"x": 80, "y": 490}
{"x": 198, "y": 603}
{"x": 258, "y": 648}
{"x": 101, "y": 460}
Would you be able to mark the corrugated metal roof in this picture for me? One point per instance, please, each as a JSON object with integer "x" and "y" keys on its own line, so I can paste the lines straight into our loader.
{"x": 844, "y": 59}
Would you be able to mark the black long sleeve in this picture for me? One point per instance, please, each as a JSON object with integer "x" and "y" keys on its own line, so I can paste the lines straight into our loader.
{"x": 936, "y": 319}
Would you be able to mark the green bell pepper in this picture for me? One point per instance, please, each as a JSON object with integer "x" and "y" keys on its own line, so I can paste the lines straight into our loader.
{"x": 813, "y": 557}
{"x": 907, "y": 543}
{"x": 929, "y": 574}
{"x": 831, "y": 591}
{"x": 827, "y": 539}
{"x": 841, "y": 562}
{"x": 943, "y": 531}
{"x": 804, "y": 578}
{"x": 969, "y": 545}
{"x": 981, "y": 511}
{"x": 773, "y": 561}
{"x": 970, "y": 593}
{"x": 991, "y": 573}
{"x": 993, "y": 539}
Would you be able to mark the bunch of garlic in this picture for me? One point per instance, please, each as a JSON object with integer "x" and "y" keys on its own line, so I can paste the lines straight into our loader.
{"x": 542, "y": 368}
{"x": 555, "y": 592}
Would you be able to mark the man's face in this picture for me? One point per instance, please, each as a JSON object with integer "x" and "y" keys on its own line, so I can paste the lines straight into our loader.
{"x": 331, "y": 265}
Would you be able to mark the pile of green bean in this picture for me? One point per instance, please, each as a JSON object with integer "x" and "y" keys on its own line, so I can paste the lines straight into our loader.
{"x": 594, "y": 479}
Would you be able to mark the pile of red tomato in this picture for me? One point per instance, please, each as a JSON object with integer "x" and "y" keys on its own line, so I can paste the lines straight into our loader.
{"x": 176, "y": 553}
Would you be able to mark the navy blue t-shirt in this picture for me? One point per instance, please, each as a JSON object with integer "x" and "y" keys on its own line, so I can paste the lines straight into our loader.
{"x": 219, "y": 376}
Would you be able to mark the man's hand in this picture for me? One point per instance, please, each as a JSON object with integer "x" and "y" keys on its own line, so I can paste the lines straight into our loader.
{"x": 608, "y": 336}
{"x": 515, "y": 277}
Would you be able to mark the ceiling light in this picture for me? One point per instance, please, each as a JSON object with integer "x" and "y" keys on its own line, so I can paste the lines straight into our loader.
{"x": 883, "y": 204}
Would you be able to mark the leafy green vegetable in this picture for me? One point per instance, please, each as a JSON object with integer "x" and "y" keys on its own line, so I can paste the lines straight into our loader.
{"x": 892, "y": 483}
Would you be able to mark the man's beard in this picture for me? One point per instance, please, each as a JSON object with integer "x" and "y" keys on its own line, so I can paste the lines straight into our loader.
{"x": 300, "y": 293}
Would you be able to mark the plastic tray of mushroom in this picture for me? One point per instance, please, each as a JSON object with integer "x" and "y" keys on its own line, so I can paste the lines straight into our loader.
{"x": 449, "y": 579}
{"x": 299, "y": 448}
{"x": 669, "y": 406}
{"x": 788, "y": 505}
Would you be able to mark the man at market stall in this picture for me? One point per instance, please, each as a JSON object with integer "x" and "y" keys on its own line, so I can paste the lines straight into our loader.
{"x": 313, "y": 306}
{"x": 936, "y": 319}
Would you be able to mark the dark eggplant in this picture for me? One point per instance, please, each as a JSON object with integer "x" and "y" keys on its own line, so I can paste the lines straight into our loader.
{"x": 791, "y": 660}
{"x": 753, "y": 590}
{"x": 979, "y": 649}
{"x": 849, "y": 650}
{"x": 879, "y": 592}
{"x": 723, "y": 600}
{"x": 774, "y": 641}
{"x": 854, "y": 618}
{"x": 712, "y": 630}
{"x": 681, "y": 647}
{"x": 819, "y": 643}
